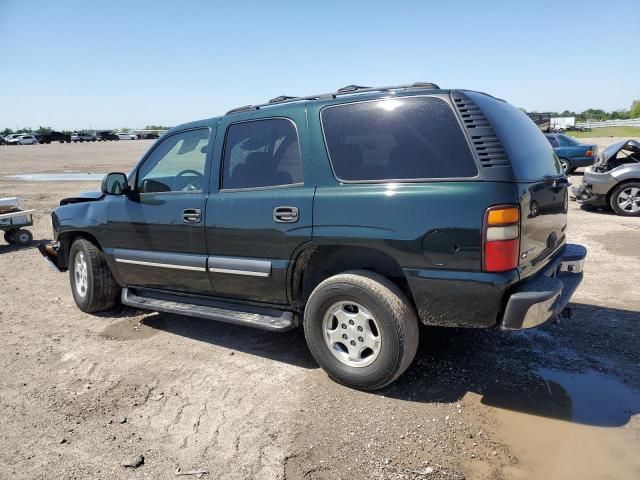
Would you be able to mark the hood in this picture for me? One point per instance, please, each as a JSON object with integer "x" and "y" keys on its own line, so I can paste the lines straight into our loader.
{"x": 83, "y": 197}
{"x": 612, "y": 150}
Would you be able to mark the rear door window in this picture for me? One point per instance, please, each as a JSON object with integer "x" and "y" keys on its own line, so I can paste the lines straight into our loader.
{"x": 261, "y": 153}
{"x": 402, "y": 139}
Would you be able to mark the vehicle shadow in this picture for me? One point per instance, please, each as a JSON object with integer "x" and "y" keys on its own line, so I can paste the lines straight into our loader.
{"x": 7, "y": 248}
{"x": 287, "y": 347}
{"x": 555, "y": 371}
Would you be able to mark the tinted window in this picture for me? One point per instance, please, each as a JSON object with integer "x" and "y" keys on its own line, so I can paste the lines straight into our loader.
{"x": 261, "y": 153}
{"x": 176, "y": 164}
{"x": 396, "y": 139}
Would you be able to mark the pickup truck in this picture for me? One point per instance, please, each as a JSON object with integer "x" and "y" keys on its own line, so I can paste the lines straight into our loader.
{"x": 356, "y": 214}
{"x": 53, "y": 137}
{"x": 105, "y": 135}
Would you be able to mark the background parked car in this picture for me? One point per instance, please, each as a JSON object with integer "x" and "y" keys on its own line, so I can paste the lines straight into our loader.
{"x": 614, "y": 180}
{"x": 126, "y": 136}
{"x": 23, "y": 140}
{"x": 82, "y": 137}
{"x": 572, "y": 154}
{"x": 53, "y": 137}
{"x": 8, "y": 138}
{"x": 149, "y": 136}
{"x": 105, "y": 135}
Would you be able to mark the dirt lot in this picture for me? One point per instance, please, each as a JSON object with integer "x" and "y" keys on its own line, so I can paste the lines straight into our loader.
{"x": 80, "y": 395}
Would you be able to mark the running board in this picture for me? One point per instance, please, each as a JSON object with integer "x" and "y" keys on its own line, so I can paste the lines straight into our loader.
{"x": 270, "y": 319}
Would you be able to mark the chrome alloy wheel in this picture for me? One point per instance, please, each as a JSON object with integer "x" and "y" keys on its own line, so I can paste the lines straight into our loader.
{"x": 81, "y": 274}
{"x": 629, "y": 199}
{"x": 352, "y": 334}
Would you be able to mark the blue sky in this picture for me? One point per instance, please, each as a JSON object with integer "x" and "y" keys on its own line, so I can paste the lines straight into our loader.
{"x": 75, "y": 64}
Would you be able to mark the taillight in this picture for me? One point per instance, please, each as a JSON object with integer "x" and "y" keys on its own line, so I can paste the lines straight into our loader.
{"x": 589, "y": 153}
{"x": 501, "y": 238}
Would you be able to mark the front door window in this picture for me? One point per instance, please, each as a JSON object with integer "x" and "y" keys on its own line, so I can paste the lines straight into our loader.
{"x": 177, "y": 164}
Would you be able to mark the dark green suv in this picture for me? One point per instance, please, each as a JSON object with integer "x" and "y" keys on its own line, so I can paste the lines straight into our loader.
{"x": 357, "y": 214}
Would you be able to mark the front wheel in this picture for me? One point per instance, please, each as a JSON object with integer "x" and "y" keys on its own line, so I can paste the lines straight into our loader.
{"x": 9, "y": 238}
{"x": 94, "y": 288}
{"x": 361, "y": 329}
{"x": 625, "y": 199}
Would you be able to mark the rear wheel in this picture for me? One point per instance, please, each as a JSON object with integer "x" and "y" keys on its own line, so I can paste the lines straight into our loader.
{"x": 361, "y": 329}
{"x": 625, "y": 199}
{"x": 8, "y": 237}
{"x": 94, "y": 288}
{"x": 22, "y": 237}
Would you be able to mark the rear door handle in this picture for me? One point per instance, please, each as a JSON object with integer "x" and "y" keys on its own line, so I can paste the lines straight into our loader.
{"x": 285, "y": 214}
{"x": 191, "y": 215}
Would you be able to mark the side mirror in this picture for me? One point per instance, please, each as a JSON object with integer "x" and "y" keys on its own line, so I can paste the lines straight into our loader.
{"x": 115, "y": 184}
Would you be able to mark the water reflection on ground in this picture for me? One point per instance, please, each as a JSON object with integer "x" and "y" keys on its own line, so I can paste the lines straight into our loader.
{"x": 56, "y": 177}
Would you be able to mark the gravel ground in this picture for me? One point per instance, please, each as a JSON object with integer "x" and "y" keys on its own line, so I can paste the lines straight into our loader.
{"x": 81, "y": 396}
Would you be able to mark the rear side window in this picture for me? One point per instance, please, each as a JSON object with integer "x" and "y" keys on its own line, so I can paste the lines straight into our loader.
{"x": 396, "y": 139}
{"x": 261, "y": 153}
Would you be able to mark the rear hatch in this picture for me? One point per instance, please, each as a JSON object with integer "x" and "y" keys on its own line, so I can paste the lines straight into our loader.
{"x": 542, "y": 189}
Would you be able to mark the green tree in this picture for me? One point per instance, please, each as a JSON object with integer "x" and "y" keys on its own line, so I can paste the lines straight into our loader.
{"x": 6, "y": 131}
{"x": 42, "y": 130}
{"x": 634, "y": 111}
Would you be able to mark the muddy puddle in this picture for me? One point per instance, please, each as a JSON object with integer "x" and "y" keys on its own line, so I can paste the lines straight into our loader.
{"x": 566, "y": 426}
{"x": 58, "y": 177}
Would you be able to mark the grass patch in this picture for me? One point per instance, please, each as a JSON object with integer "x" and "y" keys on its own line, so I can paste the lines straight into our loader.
{"x": 622, "y": 131}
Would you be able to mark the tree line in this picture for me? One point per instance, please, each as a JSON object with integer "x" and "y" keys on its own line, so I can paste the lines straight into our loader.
{"x": 597, "y": 114}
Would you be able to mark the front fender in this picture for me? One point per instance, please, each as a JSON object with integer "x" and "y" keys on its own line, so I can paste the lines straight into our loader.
{"x": 629, "y": 171}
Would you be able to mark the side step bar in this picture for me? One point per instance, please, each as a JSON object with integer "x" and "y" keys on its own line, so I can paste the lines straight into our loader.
{"x": 270, "y": 319}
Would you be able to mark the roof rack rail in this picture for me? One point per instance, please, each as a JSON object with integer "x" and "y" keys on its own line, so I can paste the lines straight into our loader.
{"x": 348, "y": 90}
{"x": 281, "y": 98}
{"x": 351, "y": 88}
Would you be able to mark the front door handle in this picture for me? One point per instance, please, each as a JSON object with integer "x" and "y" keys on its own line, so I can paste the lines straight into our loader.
{"x": 191, "y": 215}
{"x": 285, "y": 214}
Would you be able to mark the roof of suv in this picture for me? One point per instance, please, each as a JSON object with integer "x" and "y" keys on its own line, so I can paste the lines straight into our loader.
{"x": 342, "y": 95}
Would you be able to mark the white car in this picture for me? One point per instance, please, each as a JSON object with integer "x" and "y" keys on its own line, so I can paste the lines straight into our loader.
{"x": 13, "y": 136}
{"x": 126, "y": 136}
{"x": 22, "y": 140}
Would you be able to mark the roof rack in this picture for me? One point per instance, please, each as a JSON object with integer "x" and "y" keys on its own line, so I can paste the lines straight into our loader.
{"x": 348, "y": 90}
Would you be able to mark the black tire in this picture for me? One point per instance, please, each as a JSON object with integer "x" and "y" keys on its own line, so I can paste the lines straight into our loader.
{"x": 566, "y": 165}
{"x": 8, "y": 237}
{"x": 101, "y": 292}
{"x": 615, "y": 194}
{"x": 396, "y": 319}
{"x": 22, "y": 237}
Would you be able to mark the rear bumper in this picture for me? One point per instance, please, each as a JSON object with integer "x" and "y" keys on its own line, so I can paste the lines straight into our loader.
{"x": 582, "y": 161}
{"x": 546, "y": 294}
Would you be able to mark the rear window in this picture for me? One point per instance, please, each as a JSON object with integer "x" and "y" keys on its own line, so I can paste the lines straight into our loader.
{"x": 396, "y": 139}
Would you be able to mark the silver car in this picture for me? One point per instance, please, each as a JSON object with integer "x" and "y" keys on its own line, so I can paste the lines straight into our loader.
{"x": 613, "y": 180}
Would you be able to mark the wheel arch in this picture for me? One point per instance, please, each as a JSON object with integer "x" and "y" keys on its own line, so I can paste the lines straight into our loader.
{"x": 316, "y": 263}
{"x": 67, "y": 238}
{"x": 619, "y": 184}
